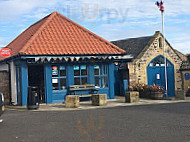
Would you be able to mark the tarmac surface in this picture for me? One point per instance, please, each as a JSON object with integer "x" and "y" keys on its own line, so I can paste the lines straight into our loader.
{"x": 148, "y": 120}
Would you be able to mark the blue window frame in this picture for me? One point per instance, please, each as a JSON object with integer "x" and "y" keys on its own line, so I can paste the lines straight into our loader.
{"x": 80, "y": 74}
{"x": 58, "y": 77}
{"x": 101, "y": 76}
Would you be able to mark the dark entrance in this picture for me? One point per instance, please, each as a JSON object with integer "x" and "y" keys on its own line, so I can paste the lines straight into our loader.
{"x": 121, "y": 74}
{"x": 36, "y": 78}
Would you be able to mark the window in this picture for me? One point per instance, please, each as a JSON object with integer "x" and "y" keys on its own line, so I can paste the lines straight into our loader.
{"x": 80, "y": 74}
{"x": 160, "y": 43}
{"x": 159, "y": 61}
{"x": 101, "y": 73}
{"x": 59, "y": 77}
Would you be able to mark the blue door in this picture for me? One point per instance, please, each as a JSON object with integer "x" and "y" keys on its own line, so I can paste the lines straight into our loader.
{"x": 156, "y": 74}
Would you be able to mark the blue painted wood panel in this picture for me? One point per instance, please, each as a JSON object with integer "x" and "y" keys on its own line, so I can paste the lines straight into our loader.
{"x": 24, "y": 83}
{"x": 48, "y": 83}
{"x": 111, "y": 80}
{"x": 91, "y": 79}
{"x": 58, "y": 96}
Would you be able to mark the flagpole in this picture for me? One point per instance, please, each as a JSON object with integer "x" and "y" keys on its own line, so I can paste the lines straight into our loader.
{"x": 163, "y": 33}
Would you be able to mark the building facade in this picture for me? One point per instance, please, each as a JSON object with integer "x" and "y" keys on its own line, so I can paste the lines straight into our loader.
{"x": 55, "y": 53}
{"x": 148, "y": 64}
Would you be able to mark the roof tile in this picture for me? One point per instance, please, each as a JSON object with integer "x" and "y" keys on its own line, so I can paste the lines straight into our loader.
{"x": 56, "y": 34}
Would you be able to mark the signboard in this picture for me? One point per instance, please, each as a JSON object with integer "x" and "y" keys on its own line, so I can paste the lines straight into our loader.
{"x": 54, "y": 70}
{"x": 187, "y": 76}
{"x": 158, "y": 76}
{"x": 54, "y": 80}
{"x": 5, "y": 52}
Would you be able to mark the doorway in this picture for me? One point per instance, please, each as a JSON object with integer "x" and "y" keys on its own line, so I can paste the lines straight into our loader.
{"x": 156, "y": 74}
{"x": 36, "y": 78}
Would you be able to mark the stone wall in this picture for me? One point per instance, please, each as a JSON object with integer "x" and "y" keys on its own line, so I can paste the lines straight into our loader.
{"x": 138, "y": 68}
{"x": 186, "y": 83}
{"x": 4, "y": 85}
{"x": 188, "y": 56}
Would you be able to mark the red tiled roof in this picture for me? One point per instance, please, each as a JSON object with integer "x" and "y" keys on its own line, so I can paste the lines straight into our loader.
{"x": 58, "y": 35}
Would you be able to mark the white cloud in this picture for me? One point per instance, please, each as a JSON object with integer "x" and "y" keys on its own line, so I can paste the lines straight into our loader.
{"x": 13, "y": 9}
{"x": 4, "y": 41}
{"x": 183, "y": 47}
{"x": 141, "y": 17}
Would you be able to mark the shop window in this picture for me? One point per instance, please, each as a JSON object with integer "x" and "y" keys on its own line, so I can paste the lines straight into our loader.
{"x": 80, "y": 74}
{"x": 59, "y": 77}
{"x": 101, "y": 76}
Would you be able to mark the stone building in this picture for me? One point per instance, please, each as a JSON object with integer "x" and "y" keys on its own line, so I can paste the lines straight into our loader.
{"x": 148, "y": 64}
{"x": 185, "y": 73}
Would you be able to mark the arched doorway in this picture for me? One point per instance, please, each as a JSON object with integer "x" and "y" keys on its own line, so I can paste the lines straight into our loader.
{"x": 156, "y": 74}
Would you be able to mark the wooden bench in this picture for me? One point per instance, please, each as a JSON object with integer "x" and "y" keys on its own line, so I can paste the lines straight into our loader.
{"x": 87, "y": 87}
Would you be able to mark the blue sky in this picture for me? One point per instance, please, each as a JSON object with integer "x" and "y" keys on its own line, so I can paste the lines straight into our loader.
{"x": 111, "y": 19}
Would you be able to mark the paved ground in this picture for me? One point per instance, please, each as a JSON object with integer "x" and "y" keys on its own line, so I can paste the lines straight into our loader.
{"x": 139, "y": 123}
{"x": 119, "y": 101}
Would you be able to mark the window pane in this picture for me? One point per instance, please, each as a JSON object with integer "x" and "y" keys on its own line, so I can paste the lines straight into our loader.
{"x": 160, "y": 42}
{"x": 104, "y": 70}
{"x": 104, "y": 82}
{"x": 77, "y": 81}
{"x": 97, "y": 70}
{"x": 169, "y": 64}
{"x": 97, "y": 81}
{"x": 55, "y": 86}
{"x": 63, "y": 83}
{"x": 162, "y": 61}
{"x": 54, "y": 71}
{"x": 84, "y": 81}
{"x": 157, "y": 61}
{"x": 76, "y": 71}
{"x": 62, "y": 71}
{"x": 83, "y": 70}
{"x": 151, "y": 64}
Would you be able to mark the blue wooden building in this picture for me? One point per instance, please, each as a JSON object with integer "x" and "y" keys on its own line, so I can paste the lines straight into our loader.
{"x": 55, "y": 53}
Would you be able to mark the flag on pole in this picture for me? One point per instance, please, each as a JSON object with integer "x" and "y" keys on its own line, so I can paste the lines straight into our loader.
{"x": 160, "y": 5}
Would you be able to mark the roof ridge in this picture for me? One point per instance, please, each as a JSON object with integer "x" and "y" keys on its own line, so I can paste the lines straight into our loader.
{"x": 133, "y": 38}
{"x": 166, "y": 41}
{"x": 29, "y": 42}
{"x": 91, "y": 33}
{"x": 153, "y": 37}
